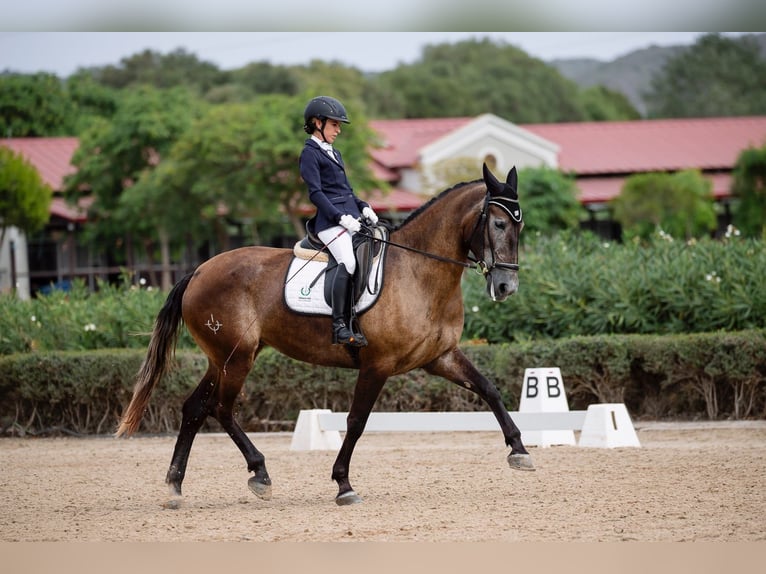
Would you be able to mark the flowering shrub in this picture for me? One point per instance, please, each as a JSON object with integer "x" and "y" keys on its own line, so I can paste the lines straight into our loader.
{"x": 580, "y": 285}
{"x": 112, "y": 317}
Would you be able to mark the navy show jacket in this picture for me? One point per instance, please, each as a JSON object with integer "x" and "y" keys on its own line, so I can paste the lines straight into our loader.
{"x": 328, "y": 186}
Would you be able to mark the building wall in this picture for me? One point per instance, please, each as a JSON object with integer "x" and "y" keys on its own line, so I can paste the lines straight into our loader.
{"x": 14, "y": 261}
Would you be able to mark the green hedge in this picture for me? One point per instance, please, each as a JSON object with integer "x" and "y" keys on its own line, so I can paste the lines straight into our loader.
{"x": 702, "y": 376}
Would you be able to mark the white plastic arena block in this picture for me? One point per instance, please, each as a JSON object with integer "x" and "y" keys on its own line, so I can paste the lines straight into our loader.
{"x": 608, "y": 425}
{"x": 308, "y": 434}
{"x": 543, "y": 392}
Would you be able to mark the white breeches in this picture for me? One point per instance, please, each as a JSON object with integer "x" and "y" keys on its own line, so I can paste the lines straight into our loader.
{"x": 340, "y": 246}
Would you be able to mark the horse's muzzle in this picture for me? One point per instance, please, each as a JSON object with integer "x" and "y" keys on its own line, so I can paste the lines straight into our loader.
{"x": 501, "y": 284}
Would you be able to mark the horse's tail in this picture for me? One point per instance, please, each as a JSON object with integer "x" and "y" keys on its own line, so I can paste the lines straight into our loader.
{"x": 156, "y": 363}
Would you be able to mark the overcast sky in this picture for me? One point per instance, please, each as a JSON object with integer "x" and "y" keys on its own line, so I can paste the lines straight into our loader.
{"x": 63, "y": 53}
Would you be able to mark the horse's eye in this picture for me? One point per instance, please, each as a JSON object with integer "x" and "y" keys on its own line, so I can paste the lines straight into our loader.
{"x": 500, "y": 225}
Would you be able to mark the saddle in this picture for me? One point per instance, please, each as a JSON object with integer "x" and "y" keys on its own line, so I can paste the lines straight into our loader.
{"x": 366, "y": 250}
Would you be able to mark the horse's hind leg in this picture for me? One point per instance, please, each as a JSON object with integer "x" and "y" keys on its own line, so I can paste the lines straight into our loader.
{"x": 455, "y": 366}
{"x": 194, "y": 412}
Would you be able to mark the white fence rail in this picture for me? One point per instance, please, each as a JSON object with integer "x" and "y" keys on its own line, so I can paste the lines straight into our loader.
{"x": 602, "y": 425}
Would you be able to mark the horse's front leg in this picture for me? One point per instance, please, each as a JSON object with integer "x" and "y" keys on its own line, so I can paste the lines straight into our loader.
{"x": 455, "y": 366}
{"x": 366, "y": 392}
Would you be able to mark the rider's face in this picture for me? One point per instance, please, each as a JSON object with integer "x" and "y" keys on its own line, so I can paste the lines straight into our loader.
{"x": 331, "y": 130}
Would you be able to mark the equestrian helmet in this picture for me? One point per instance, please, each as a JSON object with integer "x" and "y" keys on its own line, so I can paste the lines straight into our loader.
{"x": 324, "y": 108}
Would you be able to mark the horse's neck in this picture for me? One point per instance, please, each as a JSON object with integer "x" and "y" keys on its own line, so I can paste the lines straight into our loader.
{"x": 442, "y": 228}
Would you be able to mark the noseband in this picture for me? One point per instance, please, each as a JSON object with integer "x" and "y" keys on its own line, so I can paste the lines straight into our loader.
{"x": 513, "y": 209}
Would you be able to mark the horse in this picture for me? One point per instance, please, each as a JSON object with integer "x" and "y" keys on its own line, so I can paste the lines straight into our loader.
{"x": 233, "y": 306}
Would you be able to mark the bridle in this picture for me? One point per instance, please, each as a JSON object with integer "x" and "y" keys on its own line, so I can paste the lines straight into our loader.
{"x": 513, "y": 209}
{"x": 510, "y": 206}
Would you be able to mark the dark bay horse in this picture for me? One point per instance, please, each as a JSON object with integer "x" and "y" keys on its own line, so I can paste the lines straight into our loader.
{"x": 233, "y": 306}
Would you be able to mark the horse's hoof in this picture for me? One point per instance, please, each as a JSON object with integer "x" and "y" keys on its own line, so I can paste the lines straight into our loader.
{"x": 173, "y": 503}
{"x": 259, "y": 488}
{"x": 520, "y": 462}
{"x": 348, "y": 498}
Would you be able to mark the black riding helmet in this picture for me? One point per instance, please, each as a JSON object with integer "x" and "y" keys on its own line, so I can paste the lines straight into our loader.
{"x": 323, "y": 108}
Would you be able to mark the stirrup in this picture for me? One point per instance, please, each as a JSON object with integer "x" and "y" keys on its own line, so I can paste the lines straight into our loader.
{"x": 342, "y": 335}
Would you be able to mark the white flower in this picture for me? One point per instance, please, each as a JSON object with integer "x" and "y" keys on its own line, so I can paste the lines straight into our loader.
{"x": 33, "y": 318}
{"x": 142, "y": 281}
{"x": 475, "y": 308}
{"x": 90, "y": 327}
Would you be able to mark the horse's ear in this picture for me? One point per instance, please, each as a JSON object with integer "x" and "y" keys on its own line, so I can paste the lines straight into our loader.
{"x": 512, "y": 180}
{"x": 493, "y": 185}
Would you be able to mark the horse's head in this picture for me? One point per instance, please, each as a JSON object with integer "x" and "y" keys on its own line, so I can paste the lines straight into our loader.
{"x": 495, "y": 240}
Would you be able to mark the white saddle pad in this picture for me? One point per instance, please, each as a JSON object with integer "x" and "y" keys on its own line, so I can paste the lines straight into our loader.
{"x": 303, "y": 297}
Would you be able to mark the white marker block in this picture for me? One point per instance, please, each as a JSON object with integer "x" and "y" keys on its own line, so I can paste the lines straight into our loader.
{"x": 608, "y": 425}
{"x": 543, "y": 392}
{"x": 308, "y": 434}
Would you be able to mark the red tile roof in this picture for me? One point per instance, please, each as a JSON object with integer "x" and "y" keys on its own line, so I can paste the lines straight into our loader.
{"x": 652, "y": 145}
{"x": 403, "y": 139}
{"x": 51, "y": 156}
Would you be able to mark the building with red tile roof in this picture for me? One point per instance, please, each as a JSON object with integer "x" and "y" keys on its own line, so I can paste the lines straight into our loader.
{"x": 601, "y": 155}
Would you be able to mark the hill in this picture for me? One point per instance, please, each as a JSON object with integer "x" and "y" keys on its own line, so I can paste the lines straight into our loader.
{"x": 630, "y": 74}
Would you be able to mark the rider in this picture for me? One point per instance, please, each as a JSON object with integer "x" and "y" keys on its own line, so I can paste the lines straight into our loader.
{"x": 338, "y": 209}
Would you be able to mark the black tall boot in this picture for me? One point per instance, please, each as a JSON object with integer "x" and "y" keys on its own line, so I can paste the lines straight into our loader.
{"x": 341, "y": 292}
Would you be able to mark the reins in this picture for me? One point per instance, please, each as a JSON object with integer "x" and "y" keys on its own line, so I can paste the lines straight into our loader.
{"x": 479, "y": 264}
{"x": 441, "y": 258}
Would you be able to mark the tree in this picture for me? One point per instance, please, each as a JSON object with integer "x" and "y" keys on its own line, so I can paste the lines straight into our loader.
{"x": 114, "y": 155}
{"x": 717, "y": 76}
{"x": 89, "y": 100}
{"x": 175, "y": 69}
{"x": 681, "y": 204}
{"x": 24, "y": 198}
{"x": 34, "y": 105}
{"x": 548, "y": 200}
{"x": 239, "y": 162}
{"x": 604, "y": 105}
{"x": 749, "y": 188}
{"x": 482, "y": 76}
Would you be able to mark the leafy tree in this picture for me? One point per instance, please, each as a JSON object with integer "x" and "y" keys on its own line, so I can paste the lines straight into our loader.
{"x": 604, "y": 105}
{"x": 750, "y": 190}
{"x": 681, "y": 204}
{"x": 717, "y": 76}
{"x": 479, "y": 76}
{"x": 177, "y": 68}
{"x": 265, "y": 78}
{"x": 548, "y": 200}
{"x": 24, "y": 198}
{"x": 114, "y": 155}
{"x": 89, "y": 100}
{"x": 240, "y": 162}
{"x": 34, "y": 105}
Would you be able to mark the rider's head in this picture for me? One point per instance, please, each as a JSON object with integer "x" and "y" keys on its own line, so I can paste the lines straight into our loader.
{"x": 321, "y": 109}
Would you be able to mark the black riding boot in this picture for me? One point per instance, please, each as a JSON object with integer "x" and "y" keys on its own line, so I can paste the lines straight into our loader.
{"x": 341, "y": 307}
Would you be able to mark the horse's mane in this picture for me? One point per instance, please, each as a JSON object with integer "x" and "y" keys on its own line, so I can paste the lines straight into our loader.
{"x": 433, "y": 200}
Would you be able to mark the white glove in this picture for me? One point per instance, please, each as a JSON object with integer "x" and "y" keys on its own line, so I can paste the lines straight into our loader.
{"x": 370, "y": 214}
{"x": 350, "y": 223}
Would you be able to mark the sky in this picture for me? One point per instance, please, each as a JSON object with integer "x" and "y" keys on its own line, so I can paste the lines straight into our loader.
{"x": 62, "y": 53}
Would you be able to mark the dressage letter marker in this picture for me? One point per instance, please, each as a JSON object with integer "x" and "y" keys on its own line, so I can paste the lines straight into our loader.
{"x": 543, "y": 392}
